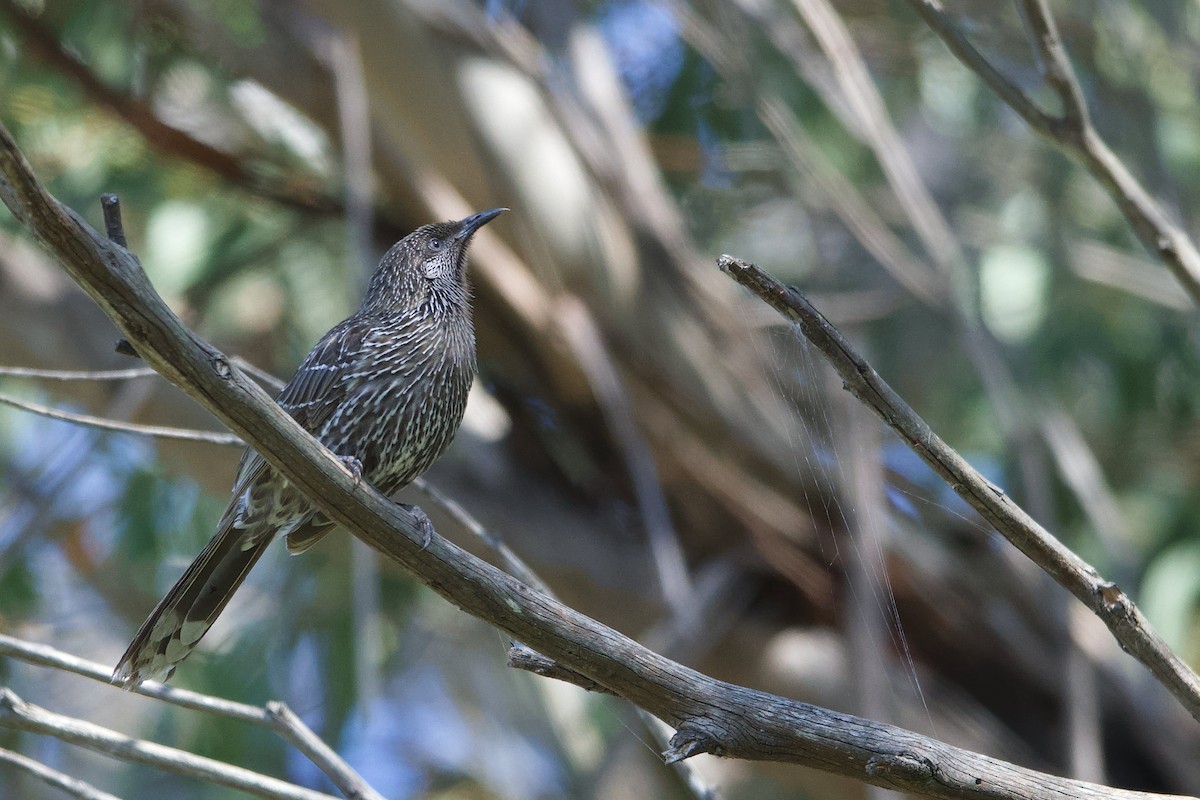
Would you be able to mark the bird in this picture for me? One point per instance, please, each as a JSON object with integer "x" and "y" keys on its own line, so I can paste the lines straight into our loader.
{"x": 385, "y": 390}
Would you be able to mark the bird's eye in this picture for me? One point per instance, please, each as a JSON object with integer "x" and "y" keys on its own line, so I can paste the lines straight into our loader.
{"x": 435, "y": 244}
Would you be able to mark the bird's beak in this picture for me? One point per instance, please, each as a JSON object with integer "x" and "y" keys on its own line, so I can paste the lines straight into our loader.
{"x": 472, "y": 224}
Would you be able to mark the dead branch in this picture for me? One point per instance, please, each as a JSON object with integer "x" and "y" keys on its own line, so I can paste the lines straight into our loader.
{"x": 1107, "y": 600}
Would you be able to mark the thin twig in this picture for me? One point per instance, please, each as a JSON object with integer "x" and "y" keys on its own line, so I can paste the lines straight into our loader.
{"x": 52, "y": 777}
{"x": 16, "y": 714}
{"x": 157, "y": 431}
{"x": 512, "y": 563}
{"x": 276, "y": 716}
{"x": 1054, "y": 65}
{"x": 114, "y": 228}
{"x": 47, "y": 656}
{"x": 1130, "y": 628}
{"x": 292, "y": 728}
{"x": 1074, "y": 133}
{"x": 264, "y": 377}
{"x": 77, "y": 374}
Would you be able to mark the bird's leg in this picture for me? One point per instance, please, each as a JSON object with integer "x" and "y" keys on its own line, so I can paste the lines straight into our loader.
{"x": 355, "y": 467}
{"x": 423, "y": 520}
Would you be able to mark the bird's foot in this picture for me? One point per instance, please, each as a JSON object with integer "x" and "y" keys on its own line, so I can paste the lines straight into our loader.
{"x": 423, "y": 520}
{"x": 355, "y": 467}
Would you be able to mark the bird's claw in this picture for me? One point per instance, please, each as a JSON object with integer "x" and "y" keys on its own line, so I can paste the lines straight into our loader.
{"x": 354, "y": 466}
{"x": 424, "y": 521}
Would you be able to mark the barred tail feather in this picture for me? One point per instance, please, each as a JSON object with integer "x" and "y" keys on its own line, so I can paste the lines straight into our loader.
{"x": 182, "y": 618}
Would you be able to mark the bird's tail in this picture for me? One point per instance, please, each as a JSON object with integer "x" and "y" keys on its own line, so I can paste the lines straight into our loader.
{"x": 187, "y": 612}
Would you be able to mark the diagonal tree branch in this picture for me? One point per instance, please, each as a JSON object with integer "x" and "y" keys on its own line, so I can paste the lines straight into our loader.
{"x": 1106, "y": 600}
{"x": 709, "y": 716}
{"x": 52, "y": 777}
{"x": 1073, "y": 132}
{"x": 19, "y": 715}
{"x": 163, "y": 137}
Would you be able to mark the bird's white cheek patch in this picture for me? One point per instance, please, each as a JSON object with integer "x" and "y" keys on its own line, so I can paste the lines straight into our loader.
{"x": 434, "y": 269}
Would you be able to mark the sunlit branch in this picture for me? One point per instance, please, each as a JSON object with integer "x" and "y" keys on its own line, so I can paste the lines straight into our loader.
{"x": 875, "y": 124}
{"x": 1126, "y": 622}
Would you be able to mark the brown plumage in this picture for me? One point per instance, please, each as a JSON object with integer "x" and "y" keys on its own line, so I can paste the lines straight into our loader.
{"x": 385, "y": 390}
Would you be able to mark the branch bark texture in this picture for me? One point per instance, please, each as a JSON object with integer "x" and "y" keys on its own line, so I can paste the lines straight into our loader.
{"x": 709, "y": 716}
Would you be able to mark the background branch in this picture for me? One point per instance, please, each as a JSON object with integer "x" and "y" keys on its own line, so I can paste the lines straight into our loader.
{"x": 17, "y": 714}
{"x": 163, "y": 137}
{"x": 276, "y": 716}
{"x": 52, "y": 777}
{"x": 102, "y": 423}
{"x": 1123, "y": 618}
{"x": 709, "y": 715}
{"x": 1074, "y": 132}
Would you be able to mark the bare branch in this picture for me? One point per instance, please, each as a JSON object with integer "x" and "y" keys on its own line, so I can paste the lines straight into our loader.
{"x": 157, "y": 431}
{"x": 1130, "y": 628}
{"x": 276, "y": 716}
{"x": 1074, "y": 133}
{"x": 292, "y": 728}
{"x": 16, "y": 714}
{"x": 1055, "y": 66}
{"x": 708, "y": 715}
{"x": 52, "y": 777}
{"x": 114, "y": 228}
{"x": 76, "y": 374}
{"x": 522, "y": 657}
{"x": 46, "y": 656}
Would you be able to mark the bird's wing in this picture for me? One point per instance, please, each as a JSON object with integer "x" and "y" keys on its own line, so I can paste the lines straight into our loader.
{"x": 322, "y": 379}
{"x": 311, "y": 396}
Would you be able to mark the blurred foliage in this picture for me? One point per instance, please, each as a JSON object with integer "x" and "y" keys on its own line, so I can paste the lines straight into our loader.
{"x": 266, "y": 281}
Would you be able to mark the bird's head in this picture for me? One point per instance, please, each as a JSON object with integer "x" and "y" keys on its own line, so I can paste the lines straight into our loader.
{"x": 427, "y": 267}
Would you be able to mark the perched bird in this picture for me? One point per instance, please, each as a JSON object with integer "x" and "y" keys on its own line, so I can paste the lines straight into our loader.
{"x": 385, "y": 391}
